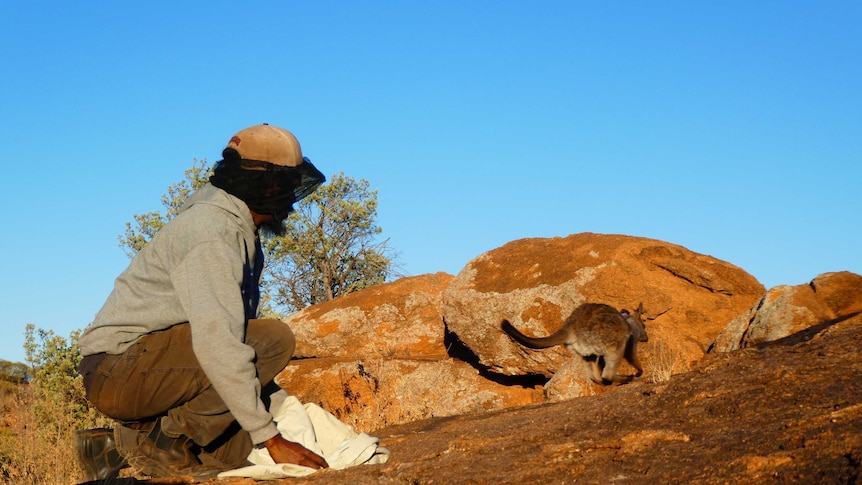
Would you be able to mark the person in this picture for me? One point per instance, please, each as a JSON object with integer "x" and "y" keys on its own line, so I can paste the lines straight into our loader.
{"x": 177, "y": 356}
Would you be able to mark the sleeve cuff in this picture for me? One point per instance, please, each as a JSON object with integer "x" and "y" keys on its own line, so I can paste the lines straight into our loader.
{"x": 264, "y": 433}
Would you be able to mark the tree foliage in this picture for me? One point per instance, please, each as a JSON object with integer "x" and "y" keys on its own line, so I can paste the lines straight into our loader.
{"x": 330, "y": 247}
{"x": 41, "y": 418}
{"x": 14, "y": 372}
{"x": 61, "y": 404}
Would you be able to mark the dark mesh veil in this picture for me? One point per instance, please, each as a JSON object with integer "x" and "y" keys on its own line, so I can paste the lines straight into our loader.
{"x": 265, "y": 187}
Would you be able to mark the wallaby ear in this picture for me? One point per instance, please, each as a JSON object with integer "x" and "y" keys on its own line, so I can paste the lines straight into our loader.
{"x": 625, "y": 313}
{"x": 640, "y": 309}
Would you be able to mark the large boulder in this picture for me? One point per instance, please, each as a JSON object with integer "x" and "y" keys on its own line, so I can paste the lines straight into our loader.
{"x": 397, "y": 319}
{"x": 379, "y": 356}
{"x": 786, "y": 310}
{"x": 536, "y": 283}
{"x": 373, "y": 393}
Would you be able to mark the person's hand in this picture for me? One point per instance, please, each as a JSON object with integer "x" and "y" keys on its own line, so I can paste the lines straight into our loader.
{"x": 283, "y": 451}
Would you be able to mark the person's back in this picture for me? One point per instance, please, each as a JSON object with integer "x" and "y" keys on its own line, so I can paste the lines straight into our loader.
{"x": 210, "y": 222}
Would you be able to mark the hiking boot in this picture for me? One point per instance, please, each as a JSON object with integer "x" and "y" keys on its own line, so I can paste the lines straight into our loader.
{"x": 97, "y": 454}
{"x": 160, "y": 455}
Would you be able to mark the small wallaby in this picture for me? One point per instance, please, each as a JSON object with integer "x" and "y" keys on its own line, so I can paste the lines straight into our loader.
{"x": 595, "y": 331}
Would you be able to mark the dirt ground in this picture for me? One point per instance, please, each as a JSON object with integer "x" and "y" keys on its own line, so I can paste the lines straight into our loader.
{"x": 787, "y": 412}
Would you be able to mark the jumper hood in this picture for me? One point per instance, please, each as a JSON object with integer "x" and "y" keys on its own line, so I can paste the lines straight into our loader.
{"x": 209, "y": 194}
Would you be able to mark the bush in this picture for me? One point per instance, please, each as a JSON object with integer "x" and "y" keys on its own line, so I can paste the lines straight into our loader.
{"x": 14, "y": 372}
{"x": 58, "y": 389}
{"x": 40, "y": 418}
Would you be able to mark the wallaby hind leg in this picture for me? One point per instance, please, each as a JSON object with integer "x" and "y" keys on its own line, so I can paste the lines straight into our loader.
{"x": 612, "y": 364}
{"x": 592, "y": 364}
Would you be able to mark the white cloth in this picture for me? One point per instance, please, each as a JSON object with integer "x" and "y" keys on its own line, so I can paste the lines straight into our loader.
{"x": 319, "y": 431}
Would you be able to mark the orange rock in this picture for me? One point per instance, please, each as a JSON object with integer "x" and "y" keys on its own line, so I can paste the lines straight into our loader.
{"x": 374, "y": 393}
{"x": 535, "y": 283}
{"x": 399, "y": 319}
{"x": 786, "y": 310}
{"x": 841, "y": 292}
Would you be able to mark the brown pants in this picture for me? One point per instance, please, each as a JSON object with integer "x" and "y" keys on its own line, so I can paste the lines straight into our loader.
{"x": 159, "y": 375}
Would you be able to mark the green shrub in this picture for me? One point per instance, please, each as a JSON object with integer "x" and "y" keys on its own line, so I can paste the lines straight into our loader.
{"x": 14, "y": 372}
{"x": 40, "y": 418}
{"x": 59, "y": 391}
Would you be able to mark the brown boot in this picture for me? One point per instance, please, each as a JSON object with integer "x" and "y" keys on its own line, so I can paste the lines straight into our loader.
{"x": 160, "y": 455}
{"x": 97, "y": 454}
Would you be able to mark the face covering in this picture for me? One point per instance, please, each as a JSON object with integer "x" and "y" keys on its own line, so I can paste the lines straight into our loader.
{"x": 267, "y": 188}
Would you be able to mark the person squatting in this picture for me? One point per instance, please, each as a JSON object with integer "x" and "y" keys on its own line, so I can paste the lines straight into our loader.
{"x": 177, "y": 356}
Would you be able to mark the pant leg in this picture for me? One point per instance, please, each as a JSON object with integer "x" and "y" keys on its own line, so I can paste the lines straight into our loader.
{"x": 155, "y": 374}
{"x": 159, "y": 375}
{"x": 228, "y": 451}
{"x": 206, "y": 417}
{"x": 274, "y": 343}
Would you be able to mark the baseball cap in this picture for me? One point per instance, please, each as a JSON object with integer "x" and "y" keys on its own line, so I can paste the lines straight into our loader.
{"x": 267, "y": 143}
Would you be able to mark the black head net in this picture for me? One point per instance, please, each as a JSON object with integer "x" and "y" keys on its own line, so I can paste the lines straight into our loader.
{"x": 265, "y": 187}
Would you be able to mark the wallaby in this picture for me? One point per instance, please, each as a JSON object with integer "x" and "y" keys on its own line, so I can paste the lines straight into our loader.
{"x": 595, "y": 331}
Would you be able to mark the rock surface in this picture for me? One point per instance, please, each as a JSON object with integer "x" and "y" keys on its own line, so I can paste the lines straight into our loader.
{"x": 399, "y": 319}
{"x": 378, "y": 392}
{"x": 786, "y": 310}
{"x": 536, "y": 283}
{"x": 380, "y": 357}
{"x": 777, "y": 414}
{"x": 788, "y": 411}
{"x": 359, "y": 356}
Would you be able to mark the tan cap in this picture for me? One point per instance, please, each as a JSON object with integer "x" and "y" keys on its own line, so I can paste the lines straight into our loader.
{"x": 267, "y": 143}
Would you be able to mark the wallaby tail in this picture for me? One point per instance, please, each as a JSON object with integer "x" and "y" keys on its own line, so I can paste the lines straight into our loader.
{"x": 557, "y": 338}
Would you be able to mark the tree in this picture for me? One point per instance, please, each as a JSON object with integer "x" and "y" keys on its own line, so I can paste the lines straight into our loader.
{"x": 40, "y": 419}
{"x": 61, "y": 404}
{"x": 15, "y": 372}
{"x": 330, "y": 247}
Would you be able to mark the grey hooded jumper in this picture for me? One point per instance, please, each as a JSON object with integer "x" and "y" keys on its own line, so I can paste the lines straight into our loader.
{"x": 202, "y": 268}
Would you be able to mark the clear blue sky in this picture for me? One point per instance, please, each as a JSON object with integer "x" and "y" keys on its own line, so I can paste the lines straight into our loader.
{"x": 732, "y": 128}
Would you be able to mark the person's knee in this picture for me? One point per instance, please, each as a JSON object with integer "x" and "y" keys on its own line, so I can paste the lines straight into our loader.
{"x": 271, "y": 339}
